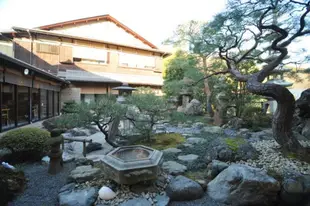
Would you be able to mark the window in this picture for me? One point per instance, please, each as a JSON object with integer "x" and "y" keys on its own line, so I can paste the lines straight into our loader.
{"x": 47, "y": 48}
{"x": 90, "y": 55}
{"x": 35, "y": 104}
{"x": 136, "y": 61}
{"x": 8, "y": 106}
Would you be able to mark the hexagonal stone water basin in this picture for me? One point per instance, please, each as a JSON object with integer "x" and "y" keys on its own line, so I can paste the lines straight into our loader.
{"x": 132, "y": 164}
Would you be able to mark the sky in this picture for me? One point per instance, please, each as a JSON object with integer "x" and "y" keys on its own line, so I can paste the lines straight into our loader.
{"x": 155, "y": 20}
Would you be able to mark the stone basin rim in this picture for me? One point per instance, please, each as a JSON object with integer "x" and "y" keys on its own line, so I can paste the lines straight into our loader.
{"x": 151, "y": 161}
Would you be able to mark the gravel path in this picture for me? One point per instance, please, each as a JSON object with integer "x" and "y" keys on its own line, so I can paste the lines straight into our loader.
{"x": 42, "y": 188}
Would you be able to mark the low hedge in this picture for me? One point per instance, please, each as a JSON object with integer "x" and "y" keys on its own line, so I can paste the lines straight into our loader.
{"x": 26, "y": 144}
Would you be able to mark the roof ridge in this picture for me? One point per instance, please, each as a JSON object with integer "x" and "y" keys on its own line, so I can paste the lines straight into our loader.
{"x": 97, "y": 18}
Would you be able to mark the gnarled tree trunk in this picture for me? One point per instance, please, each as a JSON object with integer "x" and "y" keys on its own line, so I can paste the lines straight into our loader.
{"x": 282, "y": 118}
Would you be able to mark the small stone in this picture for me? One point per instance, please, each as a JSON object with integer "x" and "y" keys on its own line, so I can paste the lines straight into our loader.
{"x": 171, "y": 151}
{"x": 136, "y": 202}
{"x": 106, "y": 193}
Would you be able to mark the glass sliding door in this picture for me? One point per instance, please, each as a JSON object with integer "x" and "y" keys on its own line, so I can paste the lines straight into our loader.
{"x": 43, "y": 102}
{"x": 8, "y": 106}
{"x": 56, "y": 104}
{"x": 35, "y": 104}
{"x": 50, "y": 103}
{"x": 22, "y": 105}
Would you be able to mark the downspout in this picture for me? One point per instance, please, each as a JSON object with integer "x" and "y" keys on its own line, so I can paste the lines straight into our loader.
{"x": 32, "y": 78}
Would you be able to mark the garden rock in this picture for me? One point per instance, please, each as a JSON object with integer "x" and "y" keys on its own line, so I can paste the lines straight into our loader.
{"x": 244, "y": 185}
{"x": 83, "y": 174}
{"x": 214, "y": 130}
{"x": 174, "y": 168}
{"x": 79, "y": 132}
{"x": 295, "y": 189}
{"x": 171, "y": 151}
{"x": 235, "y": 123}
{"x": 217, "y": 167}
{"x": 162, "y": 200}
{"x": 182, "y": 188}
{"x": 306, "y": 130}
{"x": 93, "y": 146}
{"x": 262, "y": 135}
{"x": 95, "y": 157}
{"x": 230, "y": 150}
{"x": 194, "y": 140}
{"x": 83, "y": 161}
{"x": 188, "y": 158}
{"x": 198, "y": 125}
{"x": 68, "y": 196}
{"x": 194, "y": 107}
{"x": 137, "y": 202}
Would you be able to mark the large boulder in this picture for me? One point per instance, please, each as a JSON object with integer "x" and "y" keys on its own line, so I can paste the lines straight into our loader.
{"x": 193, "y": 108}
{"x": 295, "y": 189}
{"x": 182, "y": 188}
{"x": 241, "y": 185}
{"x": 230, "y": 149}
{"x": 68, "y": 196}
{"x": 235, "y": 123}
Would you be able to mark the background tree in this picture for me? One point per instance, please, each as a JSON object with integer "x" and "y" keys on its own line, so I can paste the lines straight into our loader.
{"x": 262, "y": 31}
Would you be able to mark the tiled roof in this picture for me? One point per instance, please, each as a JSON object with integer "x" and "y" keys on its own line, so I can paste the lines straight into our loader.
{"x": 84, "y": 76}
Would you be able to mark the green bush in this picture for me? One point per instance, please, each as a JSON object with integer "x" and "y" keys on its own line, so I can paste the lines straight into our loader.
{"x": 254, "y": 118}
{"x": 26, "y": 144}
{"x": 63, "y": 122}
{"x": 70, "y": 107}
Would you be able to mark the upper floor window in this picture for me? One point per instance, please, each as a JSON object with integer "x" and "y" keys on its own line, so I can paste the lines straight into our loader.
{"x": 47, "y": 48}
{"x": 137, "y": 61}
{"x": 90, "y": 55}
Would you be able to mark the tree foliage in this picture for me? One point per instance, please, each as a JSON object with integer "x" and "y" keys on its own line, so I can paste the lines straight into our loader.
{"x": 147, "y": 111}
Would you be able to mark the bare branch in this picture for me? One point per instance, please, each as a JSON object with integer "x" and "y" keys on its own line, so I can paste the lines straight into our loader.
{"x": 210, "y": 75}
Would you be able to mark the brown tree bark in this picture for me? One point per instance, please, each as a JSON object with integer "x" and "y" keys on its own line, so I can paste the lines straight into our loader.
{"x": 282, "y": 118}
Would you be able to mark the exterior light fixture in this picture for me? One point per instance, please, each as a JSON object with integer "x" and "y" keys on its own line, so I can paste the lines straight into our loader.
{"x": 26, "y": 71}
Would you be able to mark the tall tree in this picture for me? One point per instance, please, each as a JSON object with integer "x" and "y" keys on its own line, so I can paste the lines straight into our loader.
{"x": 263, "y": 30}
{"x": 189, "y": 35}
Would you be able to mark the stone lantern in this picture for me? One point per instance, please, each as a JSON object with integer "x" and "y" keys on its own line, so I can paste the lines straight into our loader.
{"x": 123, "y": 92}
{"x": 186, "y": 92}
{"x": 55, "y": 154}
{"x": 124, "y": 124}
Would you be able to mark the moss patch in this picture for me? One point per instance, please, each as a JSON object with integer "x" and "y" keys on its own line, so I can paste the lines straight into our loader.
{"x": 234, "y": 143}
{"x": 164, "y": 141}
{"x": 196, "y": 175}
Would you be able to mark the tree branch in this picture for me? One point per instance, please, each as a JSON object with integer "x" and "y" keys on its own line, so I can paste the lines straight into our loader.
{"x": 210, "y": 75}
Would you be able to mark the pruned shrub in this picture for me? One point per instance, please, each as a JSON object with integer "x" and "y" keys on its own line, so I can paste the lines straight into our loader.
{"x": 26, "y": 144}
{"x": 70, "y": 107}
{"x": 63, "y": 122}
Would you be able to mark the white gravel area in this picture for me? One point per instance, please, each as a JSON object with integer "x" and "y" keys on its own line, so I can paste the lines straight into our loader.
{"x": 271, "y": 158}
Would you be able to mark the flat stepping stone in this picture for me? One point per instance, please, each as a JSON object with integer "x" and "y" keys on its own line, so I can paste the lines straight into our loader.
{"x": 171, "y": 151}
{"x": 188, "y": 158}
{"x": 195, "y": 140}
{"x": 188, "y": 145}
{"x": 173, "y": 168}
{"x": 137, "y": 202}
{"x": 83, "y": 174}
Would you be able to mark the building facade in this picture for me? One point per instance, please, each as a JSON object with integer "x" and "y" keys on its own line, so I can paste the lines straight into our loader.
{"x": 95, "y": 54}
{"x": 27, "y": 93}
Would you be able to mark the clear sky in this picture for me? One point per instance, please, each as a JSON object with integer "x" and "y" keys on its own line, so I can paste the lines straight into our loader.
{"x": 154, "y": 20}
